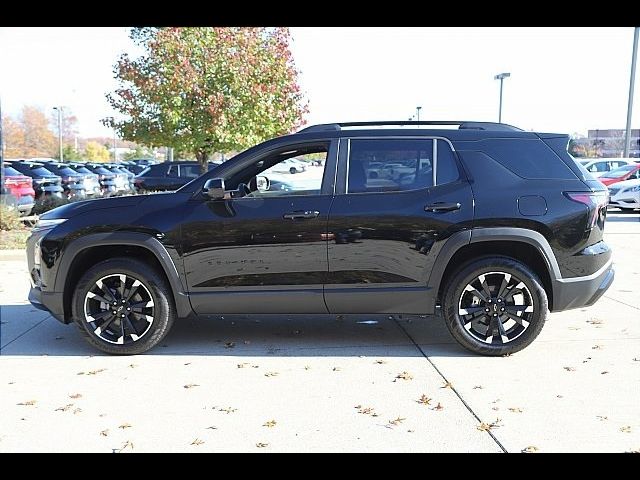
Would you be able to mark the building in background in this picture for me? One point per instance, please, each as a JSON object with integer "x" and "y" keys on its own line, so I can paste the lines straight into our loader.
{"x": 608, "y": 143}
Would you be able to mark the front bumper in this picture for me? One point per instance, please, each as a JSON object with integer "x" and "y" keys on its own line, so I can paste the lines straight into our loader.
{"x": 48, "y": 301}
{"x": 579, "y": 292}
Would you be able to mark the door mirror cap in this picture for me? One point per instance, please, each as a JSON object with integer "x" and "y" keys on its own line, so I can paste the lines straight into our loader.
{"x": 262, "y": 183}
{"x": 214, "y": 189}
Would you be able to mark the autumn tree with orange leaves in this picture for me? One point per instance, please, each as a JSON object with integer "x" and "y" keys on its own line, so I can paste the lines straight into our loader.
{"x": 206, "y": 90}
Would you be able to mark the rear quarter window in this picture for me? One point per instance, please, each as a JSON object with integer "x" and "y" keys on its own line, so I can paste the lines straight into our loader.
{"x": 527, "y": 158}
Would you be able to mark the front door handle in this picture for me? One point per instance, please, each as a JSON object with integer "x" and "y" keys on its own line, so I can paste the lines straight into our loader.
{"x": 440, "y": 207}
{"x": 301, "y": 214}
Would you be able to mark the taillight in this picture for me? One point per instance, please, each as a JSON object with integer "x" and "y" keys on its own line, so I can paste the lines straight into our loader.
{"x": 9, "y": 181}
{"x": 596, "y": 202}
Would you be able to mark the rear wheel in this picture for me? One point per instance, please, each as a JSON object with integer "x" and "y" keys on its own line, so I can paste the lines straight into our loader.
{"x": 123, "y": 306}
{"x": 293, "y": 170}
{"x": 495, "y": 306}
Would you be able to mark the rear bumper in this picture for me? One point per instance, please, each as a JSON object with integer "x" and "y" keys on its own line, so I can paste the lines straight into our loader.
{"x": 582, "y": 291}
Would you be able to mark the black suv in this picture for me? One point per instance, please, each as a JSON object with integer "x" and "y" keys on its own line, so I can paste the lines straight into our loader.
{"x": 168, "y": 175}
{"x": 490, "y": 225}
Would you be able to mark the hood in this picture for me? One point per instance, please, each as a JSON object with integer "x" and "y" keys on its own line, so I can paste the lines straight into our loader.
{"x": 72, "y": 209}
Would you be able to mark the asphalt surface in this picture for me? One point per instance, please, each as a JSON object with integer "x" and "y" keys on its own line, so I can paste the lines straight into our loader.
{"x": 305, "y": 383}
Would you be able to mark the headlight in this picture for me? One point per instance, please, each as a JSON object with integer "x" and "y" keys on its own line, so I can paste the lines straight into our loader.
{"x": 44, "y": 224}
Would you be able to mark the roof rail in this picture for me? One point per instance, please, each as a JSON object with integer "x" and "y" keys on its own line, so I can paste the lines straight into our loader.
{"x": 462, "y": 125}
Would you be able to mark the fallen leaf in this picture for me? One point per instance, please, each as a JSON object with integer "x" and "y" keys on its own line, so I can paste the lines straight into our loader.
{"x": 262, "y": 445}
{"x": 596, "y": 347}
{"x": 478, "y": 387}
{"x": 242, "y": 365}
{"x": 125, "y": 425}
{"x": 602, "y": 418}
{"x": 212, "y": 427}
{"x": 188, "y": 363}
{"x": 269, "y": 424}
{"x": 127, "y": 444}
{"x": 404, "y": 376}
{"x": 595, "y": 321}
{"x": 65, "y": 408}
{"x": 515, "y": 409}
{"x": 626, "y": 429}
{"x": 104, "y": 433}
{"x": 75, "y": 396}
{"x": 28, "y": 403}
{"x": 397, "y": 421}
{"x": 367, "y": 411}
{"x": 229, "y": 344}
{"x": 132, "y": 365}
{"x": 95, "y": 372}
{"x": 380, "y": 362}
{"x": 604, "y": 372}
{"x": 307, "y": 367}
{"x": 530, "y": 449}
{"x": 569, "y": 369}
{"x": 485, "y": 427}
{"x": 636, "y": 359}
{"x": 197, "y": 441}
{"x": 447, "y": 385}
{"x": 424, "y": 400}
{"x": 336, "y": 369}
{"x": 271, "y": 374}
{"x": 77, "y": 411}
{"x": 227, "y": 410}
{"x": 438, "y": 407}
{"x": 559, "y": 396}
{"x": 190, "y": 385}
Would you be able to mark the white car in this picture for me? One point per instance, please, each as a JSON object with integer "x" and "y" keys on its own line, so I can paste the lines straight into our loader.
{"x": 291, "y": 165}
{"x": 625, "y": 195}
{"x": 600, "y": 166}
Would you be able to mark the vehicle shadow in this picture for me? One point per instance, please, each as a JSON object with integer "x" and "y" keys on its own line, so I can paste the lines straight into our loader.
{"x": 27, "y": 333}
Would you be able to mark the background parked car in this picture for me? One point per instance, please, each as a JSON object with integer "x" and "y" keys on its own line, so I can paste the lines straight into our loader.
{"x": 168, "y": 175}
{"x": 599, "y": 166}
{"x": 626, "y": 172}
{"x": 109, "y": 183}
{"x": 625, "y": 195}
{"x": 72, "y": 181}
{"x": 18, "y": 189}
{"x": 44, "y": 182}
{"x": 291, "y": 165}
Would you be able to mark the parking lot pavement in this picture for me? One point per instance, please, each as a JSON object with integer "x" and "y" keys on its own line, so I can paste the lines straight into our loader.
{"x": 302, "y": 383}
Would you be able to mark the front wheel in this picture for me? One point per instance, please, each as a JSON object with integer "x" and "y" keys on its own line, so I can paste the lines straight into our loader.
{"x": 123, "y": 306}
{"x": 495, "y": 306}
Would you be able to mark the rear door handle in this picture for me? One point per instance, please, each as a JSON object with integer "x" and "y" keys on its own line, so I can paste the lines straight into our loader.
{"x": 301, "y": 214}
{"x": 440, "y": 207}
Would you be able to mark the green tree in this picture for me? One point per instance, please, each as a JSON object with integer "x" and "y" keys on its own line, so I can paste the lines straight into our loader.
{"x": 209, "y": 89}
{"x": 138, "y": 152}
{"x": 96, "y": 152}
{"x": 69, "y": 153}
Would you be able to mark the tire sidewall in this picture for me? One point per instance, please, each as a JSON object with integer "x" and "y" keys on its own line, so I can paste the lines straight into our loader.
{"x": 164, "y": 312}
{"x": 485, "y": 265}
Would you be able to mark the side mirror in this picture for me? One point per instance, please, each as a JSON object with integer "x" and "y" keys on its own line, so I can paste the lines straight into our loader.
{"x": 263, "y": 183}
{"x": 214, "y": 188}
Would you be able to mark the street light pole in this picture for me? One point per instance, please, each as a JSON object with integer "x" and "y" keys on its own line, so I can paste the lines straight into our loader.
{"x": 418, "y": 112}
{"x": 115, "y": 154}
{"x": 634, "y": 54}
{"x": 59, "y": 110}
{"x": 501, "y": 77}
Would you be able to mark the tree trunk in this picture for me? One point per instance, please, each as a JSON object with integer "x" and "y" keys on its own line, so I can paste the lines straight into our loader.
{"x": 203, "y": 158}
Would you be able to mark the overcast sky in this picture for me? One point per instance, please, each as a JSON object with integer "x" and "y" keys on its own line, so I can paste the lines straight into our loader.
{"x": 562, "y": 79}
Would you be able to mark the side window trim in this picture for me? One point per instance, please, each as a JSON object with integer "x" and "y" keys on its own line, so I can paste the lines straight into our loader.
{"x": 342, "y": 173}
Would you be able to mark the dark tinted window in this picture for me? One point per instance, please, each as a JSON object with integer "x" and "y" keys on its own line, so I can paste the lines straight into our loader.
{"x": 173, "y": 171}
{"x": 397, "y": 165}
{"x": 527, "y": 158}
{"x": 190, "y": 171}
{"x": 389, "y": 165}
{"x": 38, "y": 170}
{"x": 446, "y": 167}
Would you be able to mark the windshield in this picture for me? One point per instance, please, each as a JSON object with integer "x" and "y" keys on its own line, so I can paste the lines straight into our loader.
{"x": 144, "y": 172}
{"x": 41, "y": 171}
{"x": 620, "y": 171}
{"x": 12, "y": 172}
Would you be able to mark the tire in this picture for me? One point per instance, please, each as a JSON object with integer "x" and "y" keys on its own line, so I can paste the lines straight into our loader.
{"x": 519, "y": 326}
{"x": 151, "y": 308}
{"x": 293, "y": 170}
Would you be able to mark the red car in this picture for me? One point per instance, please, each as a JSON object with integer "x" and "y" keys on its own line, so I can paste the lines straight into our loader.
{"x": 19, "y": 189}
{"x": 626, "y": 172}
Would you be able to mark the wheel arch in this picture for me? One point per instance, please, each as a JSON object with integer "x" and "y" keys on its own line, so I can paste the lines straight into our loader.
{"x": 93, "y": 248}
{"x": 527, "y": 246}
